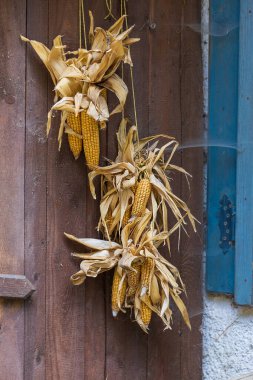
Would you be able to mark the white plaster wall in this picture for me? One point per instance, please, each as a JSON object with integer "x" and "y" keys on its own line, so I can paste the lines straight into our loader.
{"x": 227, "y": 329}
{"x": 227, "y": 338}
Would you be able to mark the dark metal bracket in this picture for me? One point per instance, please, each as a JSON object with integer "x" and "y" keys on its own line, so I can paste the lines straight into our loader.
{"x": 226, "y": 224}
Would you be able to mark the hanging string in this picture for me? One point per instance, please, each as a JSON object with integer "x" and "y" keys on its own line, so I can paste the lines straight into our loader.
{"x": 108, "y": 4}
{"x": 82, "y": 23}
{"x": 84, "y": 26}
{"x": 132, "y": 76}
{"x": 123, "y": 4}
{"x": 122, "y": 63}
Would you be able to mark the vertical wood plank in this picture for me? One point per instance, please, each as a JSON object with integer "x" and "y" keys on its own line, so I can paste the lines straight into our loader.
{"x": 244, "y": 188}
{"x": 35, "y": 192}
{"x": 94, "y": 342}
{"x": 65, "y": 304}
{"x": 12, "y": 140}
{"x": 126, "y": 344}
{"x": 165, "y": 117}
{"x": 223, "y": 98}
{"x": 192, "y": 161}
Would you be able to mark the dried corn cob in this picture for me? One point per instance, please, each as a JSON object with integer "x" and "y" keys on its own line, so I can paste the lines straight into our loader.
{"x": 146, "y": 272}
{"x": 126, "y": 216}
{"x": 117, "y": 295}
{"x": 75, "y": 144}
{"x": 141, "y": 197}
{"x": 90, "y": 132}
{"x": 146, "y": 314}
{"x": 133, "y": 188}
{"x": 133, "y": 278}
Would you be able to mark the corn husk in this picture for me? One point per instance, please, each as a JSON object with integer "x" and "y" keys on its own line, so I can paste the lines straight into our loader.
{"x": 137, "y": 160}
{"x": 165, "y": 286}
{"x": 81, "y": 76}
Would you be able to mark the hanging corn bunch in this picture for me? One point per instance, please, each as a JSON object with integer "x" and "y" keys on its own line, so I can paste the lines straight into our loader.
{"x": 136, "y": 187}
{"x": 136, "y": 197}
{"x": 139, "y": 178}
{"x": 81, "y": 78}
{"x": 138, "y": 251}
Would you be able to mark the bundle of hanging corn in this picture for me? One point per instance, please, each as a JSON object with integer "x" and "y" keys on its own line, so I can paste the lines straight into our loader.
{"x": 81, "y": 79}
{"x": 139, "y": 179}
{"x": 143, "y": 279}
{"x": 134, "y": 219}
{"x": 137, "y": 196}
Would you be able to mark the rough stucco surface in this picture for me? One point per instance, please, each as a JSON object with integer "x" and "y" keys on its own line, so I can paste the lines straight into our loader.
{"x": 227, "y": 339}
{"x": 227, "y": 329}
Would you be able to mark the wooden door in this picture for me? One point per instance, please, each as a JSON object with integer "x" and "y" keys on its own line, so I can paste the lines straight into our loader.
{"x": 65, "y": 332}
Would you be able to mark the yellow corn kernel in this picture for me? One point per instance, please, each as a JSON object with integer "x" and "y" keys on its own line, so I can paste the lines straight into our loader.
{"x": 133, "y": 188}
{"x": 133, "y": 278}
{"x": 75, "y": 144}
{"x": 146, "y": 314}
{"x": 146, "y": 272}
{"x": 141, "y": 197}
{"x": 118, "y": 295}
{"x": 126, "y": 216}
{"x": 90, "y": 132}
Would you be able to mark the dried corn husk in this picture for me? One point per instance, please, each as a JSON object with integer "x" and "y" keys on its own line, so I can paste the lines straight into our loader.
{"x": 137, "y": 160}
{"x": 165, "y": 284}
{"x": 81, "y": 76}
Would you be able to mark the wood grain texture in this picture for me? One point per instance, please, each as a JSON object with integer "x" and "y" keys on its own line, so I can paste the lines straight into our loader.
{"x": 12, "y": 139}
{"x": 192, "y": 161}
{"x": 69, "y": 331}
{"x": 36, "y": 192}
{"x": 94, "y": 322}
{"x": 165, "y": 117}
{"x": 126, "y": 344}
{"x": 65, "y": 304}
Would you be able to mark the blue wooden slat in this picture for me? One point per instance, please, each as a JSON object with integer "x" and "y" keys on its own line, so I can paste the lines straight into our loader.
{"x": 223, "y": 100}
{"x": 244, "y": 218}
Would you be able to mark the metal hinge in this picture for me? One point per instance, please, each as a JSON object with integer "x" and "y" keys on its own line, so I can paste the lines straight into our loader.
{"x": 226, "y": 224}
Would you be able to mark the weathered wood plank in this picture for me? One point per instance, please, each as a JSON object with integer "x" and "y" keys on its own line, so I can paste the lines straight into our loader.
{"x": 36, "y": 192}
{"x": 244, "y": 188}
{"x": 192, "y": 161}
{"x": 11, "y": 173}
{"x": 165, "y": 117}
{"x": 15, "y": 286}
{"x": 12, "y": 138}
{"x": 94, "y": 322}
{"x": 65, "y": 304}
{"x": 126, "y": 344}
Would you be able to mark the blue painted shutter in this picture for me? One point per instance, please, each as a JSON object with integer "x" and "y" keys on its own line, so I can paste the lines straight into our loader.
{"x": 230, "y": 171}
{"x": 223, "y": 100}
{"x": 244, "y": 188}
